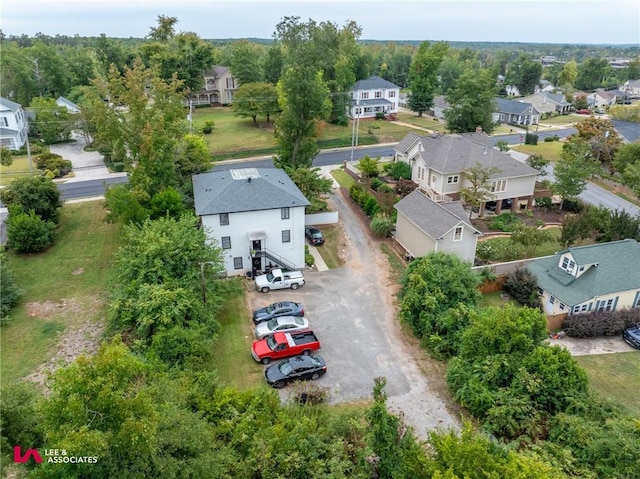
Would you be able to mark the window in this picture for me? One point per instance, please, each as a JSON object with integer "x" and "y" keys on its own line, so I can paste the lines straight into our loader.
{"x": 230, "y": 83}
{"x": 392, "y": 94}
{"x": 581, "y": 269}
{"x": 568, "y": 264}
{"x": 565, "y": 262}
{"x": 378, "y": 94}
{"x": 284, "y": 213}
{"x": 606, "y": 305}
{"x": 562, "y": 306}
{"x": 457, "y": 233}
{"x": 434, "y": 178}
{"x": 453, "y": 179}
{"x": 500, "y": 185}
{"x": 637, "y": 303}
{"x": 224, "y": 219}
{"x": 4, "y": 121}
{"x": 364, "y": 95}
{"x": 237, "y": 262}
{"x": 552, "y": 300}
{"x": 286, "y": 236}
{"x": 226, "y": 242}
{"x": 576, "y": 309}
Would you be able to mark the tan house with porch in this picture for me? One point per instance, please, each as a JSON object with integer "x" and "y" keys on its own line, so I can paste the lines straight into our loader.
{"x": 219, "y": 87}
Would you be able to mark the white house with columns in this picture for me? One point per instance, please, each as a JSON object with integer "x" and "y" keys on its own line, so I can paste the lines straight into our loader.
{"x": 374, "y": 96}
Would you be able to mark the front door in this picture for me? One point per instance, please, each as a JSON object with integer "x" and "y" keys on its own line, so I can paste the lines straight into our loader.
{"x": 256, "y": 262}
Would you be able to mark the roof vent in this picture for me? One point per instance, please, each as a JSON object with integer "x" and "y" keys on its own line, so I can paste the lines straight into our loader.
{"x": 249, "y": 180}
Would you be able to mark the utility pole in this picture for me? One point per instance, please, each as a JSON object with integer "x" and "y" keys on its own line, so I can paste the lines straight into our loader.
{"x": 355, "y": 127}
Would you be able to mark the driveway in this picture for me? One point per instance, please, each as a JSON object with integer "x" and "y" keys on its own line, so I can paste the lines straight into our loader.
{"x": 351, "y": 309}
{"x": 87, "y": 165}
{"x": 601, "y": 345}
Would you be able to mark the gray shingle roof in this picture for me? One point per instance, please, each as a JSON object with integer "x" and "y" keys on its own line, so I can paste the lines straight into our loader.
{"x": 434, "y": 219}
{"x": 630, "y": 131}
{"x": 10, "y": 105}
{"x": 372, "y": 83}
{"x": 456, "y": 153}
{"x": 618, "y": 270}
{"x": 247, "y": 189}
{"x": 512, "y": 107}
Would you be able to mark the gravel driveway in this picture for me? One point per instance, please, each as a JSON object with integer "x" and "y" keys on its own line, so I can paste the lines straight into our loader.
{"x": 351, "y": 309}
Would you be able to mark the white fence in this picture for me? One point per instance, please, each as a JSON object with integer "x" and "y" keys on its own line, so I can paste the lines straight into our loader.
{"x": 327, "y": 218}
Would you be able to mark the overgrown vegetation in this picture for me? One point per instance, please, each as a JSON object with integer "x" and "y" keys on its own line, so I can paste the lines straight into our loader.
{"x": 600, "y": 323}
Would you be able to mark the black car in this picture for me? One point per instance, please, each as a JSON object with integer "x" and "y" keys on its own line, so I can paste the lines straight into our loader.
{"x": 294, "y": 369}
{"x": 632, "y": 336}
{"x": 314, "y": 235}
{"x": 274, "y": 310}
{"x": 506, "y": 205}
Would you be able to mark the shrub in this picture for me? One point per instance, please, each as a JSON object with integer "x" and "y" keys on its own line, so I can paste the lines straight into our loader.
{"x": 54, "y": 163}
{"x": 487, "y": 251}
{"x": 28, "y": 233}
{"x": 370, "y": 206}
{"x": 207, "y": 128}
{"x": 379, "y": 115}
{"x": 544, "y": 202}
{"x": 404, "y": 187}
{"x": 356, "y": 192}
{"x": 376, "y": 183}
{"x": 600, "y": 323}
{"x": 504, "y": 222}
{"x": 368, "y": 166}
{"x": 309, "y": 260}
{"x": 530, "y": 139}
{"x": 381, "y": 225}
{"x": 6, "y": 157}
{"x": 549, "y": 139}
{"x": 34, "y": 193}
{"x": 398, "y": 170}
{"x": 522, "y": 285}
{"x": 9, "y": 291}
{"x": 117, "y": 166}
{"x": 384, "y": 188}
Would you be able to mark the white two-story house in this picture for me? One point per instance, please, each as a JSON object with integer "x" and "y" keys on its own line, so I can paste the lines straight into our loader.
{"x": 13, "y": 125}
{"x": 438, "y": 164}
{"x": 599, "y": 277}
{"x": 256, "y": 215}
{"x": 374, "y": 96}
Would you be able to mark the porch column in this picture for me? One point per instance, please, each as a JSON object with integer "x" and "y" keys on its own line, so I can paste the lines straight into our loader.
{"x": 530, "y": 202}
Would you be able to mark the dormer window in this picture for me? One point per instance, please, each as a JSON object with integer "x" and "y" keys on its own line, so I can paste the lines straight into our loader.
{"x": 568, "y": 264}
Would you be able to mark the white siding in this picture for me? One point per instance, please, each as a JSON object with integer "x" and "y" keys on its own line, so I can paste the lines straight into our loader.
{"x": 465, "y": 248}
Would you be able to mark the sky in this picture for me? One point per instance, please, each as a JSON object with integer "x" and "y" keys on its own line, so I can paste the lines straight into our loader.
{"x": 558, "y": 21}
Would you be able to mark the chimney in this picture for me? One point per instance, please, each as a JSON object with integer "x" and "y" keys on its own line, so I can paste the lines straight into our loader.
{"x": 249, "y": 180}
{"x": 478, "y": 129}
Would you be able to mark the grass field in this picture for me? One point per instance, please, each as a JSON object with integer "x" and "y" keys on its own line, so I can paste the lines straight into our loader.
{"x": 19, "y": 167}
{"x": 343, "y": 179}
{"x": 333, "y": 247}
{"x": 495, "y": 299}
{"x": 615, "y": 376}
{"x": 424, "y": 122}
{"x": 63, "y": 286}
{"x": 551, "y": 150}
{"x": 232, "y": 354}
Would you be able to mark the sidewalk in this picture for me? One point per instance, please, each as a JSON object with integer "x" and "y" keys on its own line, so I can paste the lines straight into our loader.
{"x": 320, "y": 264}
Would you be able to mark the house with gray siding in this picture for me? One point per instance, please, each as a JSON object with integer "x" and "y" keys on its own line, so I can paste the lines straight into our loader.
{"x": 219, "y": 86}
{"x": 546, "y": 102}
{"x": 515, "y": 112}
{"x": 424, "y": 226}
{"x": 13, "y": 125}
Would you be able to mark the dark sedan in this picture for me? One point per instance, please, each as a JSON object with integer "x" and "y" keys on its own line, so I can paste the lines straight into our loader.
{"x": 295, "y": 369}
{"x": 632, "y": 336}
{"x": 275, "y": 310}
{"x": 314, "y": 235}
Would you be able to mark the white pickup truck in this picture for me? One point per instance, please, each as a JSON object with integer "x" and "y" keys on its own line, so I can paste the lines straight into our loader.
{"x": 278, "y": 279}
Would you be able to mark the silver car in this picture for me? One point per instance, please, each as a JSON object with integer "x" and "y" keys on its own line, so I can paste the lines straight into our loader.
{"x": 284, "y": 324}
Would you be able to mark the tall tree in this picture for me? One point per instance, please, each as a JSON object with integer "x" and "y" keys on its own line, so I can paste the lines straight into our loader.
{"x": 575, "y": 166}
{"x": 569, "y": 74}
{"x": 477, "y": 188}
{"x": 603, "y": 139}
{"x": 592, "y": 73}
{"x": 245, "y": 62}
{"x": 273, "y": 63}
{"x": 52, "y": 123}
{"x": 303, "y": 98}
{"x": 471, "y": 102}
{"x": 253, "y": 99}
{"x": 423, "y": 75}
{"x": 523, "y": 73}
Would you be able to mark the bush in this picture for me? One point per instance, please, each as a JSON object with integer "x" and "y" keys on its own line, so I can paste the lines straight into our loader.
{"x": 207, "y": 128}
{"x": 9, "y": 291}
{"x": 370, "y": 206}
{"x": 504, "y": 222}
{"x": 356, "y": 192}
{"x": 404, "y": 187}
{"x": 549, "y": 139}
{"x": 544, "y": 202}
{"x": 600, "y": 323}
{"x": 309, "y": 260}
{"x": 381, "y": 225}
{"x": 117, "y": 166}
{"x": 34, "y": 193}
{"x": 385, "y": 188}
{"x": 530, "y": 139}
{"x": 54, "y": 163}
{"x": 6, "y": 157}
{"x": 28, "y": 233}
{"x": 376, "y": 183}
{"x": 379, "y": 115}
{"x": 522, "y": 285}
{"x": 398, "y": 170}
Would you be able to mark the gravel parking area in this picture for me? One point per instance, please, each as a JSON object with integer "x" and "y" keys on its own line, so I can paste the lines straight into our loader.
{"x": 352, "y": 311}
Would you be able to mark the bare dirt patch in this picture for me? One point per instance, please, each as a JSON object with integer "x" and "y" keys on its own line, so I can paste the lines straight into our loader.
{"x": 82, "y": 333}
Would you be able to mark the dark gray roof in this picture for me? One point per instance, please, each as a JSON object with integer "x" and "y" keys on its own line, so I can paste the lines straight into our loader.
{"x": 629, "y": 130}
{"x": 441, "y": 102}
{"x": 371, "y": 102}
{"x": 406, "y": 142}
{"x": 8, "y": 104}
{"x": 513, "y": 107}
{"x": 217, "y": 71}
{"x": 618, "y": 269}
{"x": 456, "y": 153}
{"x": 246, "y": 189}
{"x": 556, "y": 98}
{"x": 372, "y": 83}
{"x": 434, "y": 219}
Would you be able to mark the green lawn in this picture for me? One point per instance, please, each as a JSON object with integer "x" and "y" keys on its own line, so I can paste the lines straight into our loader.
{"x": 234, "y": 362}
{"x": 615, "y": 376}
{"x": 495, "y": 299}
{"x": 19, "y": 167}
{"x": 562, "y": 120}
{"x": 62, "y": 286}
{"x": 344, "y": 179}
{"x": 423, "y": 121}
{"x": 551, "y": 150}
{"x": 334, "y": 244}
{"x": 398, "y": 267}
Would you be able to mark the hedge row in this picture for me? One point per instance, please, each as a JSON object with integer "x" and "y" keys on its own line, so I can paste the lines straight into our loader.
{"x": 600, "y": 323}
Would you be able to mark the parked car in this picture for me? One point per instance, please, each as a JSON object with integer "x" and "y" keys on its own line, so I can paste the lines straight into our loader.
{"x": 492, "y": 205}
{"x": 584, "y": 111}
{"x": 274, "y": 310}
{"x": 600, "y": 111}
{"x": 278, "y": 279}
{"x": 284, "y": 345}
{"x": 632, "y": 336}
{"x": 314, "y": 235}
{"x": 295, "y": 369}
{"x": 283, "y": 324}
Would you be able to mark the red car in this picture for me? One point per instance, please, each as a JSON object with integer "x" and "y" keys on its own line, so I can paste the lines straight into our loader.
{"x": 583, "y": 112}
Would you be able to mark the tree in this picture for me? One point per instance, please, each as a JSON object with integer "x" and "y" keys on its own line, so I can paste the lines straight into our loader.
{"x": 568, "y": 75}
{"x": 27, "y": 232}
{"x": 602, "y": 138}
{"x": 522, "y": 285}
{"x": 312, "y": 185}
{"x": 625, "y": 155}
{"x": 273, "y": 64}
{"x": 538, "y": 162}
{"x": 573, "y": 169}
{"x": 192, "y": 158}
{"x": 524, "y": 74}
{"x": 10, "y": 293}
{"x": 369, "y": 167}
{"x": 477, "y": 190}
{"x": 631, "y": 177}
{"x": 253, "y": 99}
{"x": 52, "y": 122}
{"x": 245, "y": 63}
{"x": 165, "y": 29}
{"x": 423, "y": 75}
{"x": 471, "y": 102}
{"x": 592, "y": 73}
{"x": 35, "y": 193}
{"x": 303, "y": 98}
{"x": 530, "y": 237}
{"x": 6, "y": 157}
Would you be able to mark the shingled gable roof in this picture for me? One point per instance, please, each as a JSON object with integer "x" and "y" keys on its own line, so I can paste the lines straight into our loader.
{"x": 512, "y": 107}
{"x": 455, "y": 153}
{"x": 372, "y": 83}
{"x": 434, "y": 219}
{"x": 9, "y": 105}
{"x": 246, "y": 189}
{"x": 618, "y": 269}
